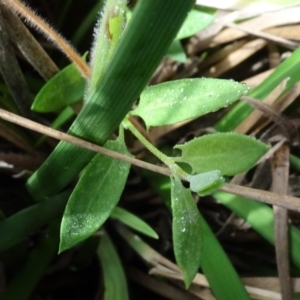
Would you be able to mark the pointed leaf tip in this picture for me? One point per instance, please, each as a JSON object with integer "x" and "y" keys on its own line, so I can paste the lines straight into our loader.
{"x": 186, "y": 228}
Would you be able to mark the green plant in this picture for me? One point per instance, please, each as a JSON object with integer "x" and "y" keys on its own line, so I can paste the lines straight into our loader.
{"x": 121, "y": 66}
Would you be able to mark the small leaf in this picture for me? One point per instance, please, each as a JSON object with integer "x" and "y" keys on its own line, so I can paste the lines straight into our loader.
{"x": 65, "y": 88}
{"x": 205, "y": 183}
{"x": 179, "y": 100}
{"x": 195, "y": 22}
{"x": 113, "y": 274}
{"x": 176, "y": 52}
{"x": 96, "y": 194}
{"x": 186, "y": 228}
{"x": 230, "y": 153}
{"x": 133, "y": 221}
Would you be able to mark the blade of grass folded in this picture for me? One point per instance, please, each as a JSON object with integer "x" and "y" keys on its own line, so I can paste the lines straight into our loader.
{"x": 29, "y": 219}
{"x": 133, "y": 221}
{"x": 287, "y": 69}
{"x": 260, "y": 216}
{"x": 25, "y": 281}
{"x": 152, "y": 28}
{"x": 114, "y": 277}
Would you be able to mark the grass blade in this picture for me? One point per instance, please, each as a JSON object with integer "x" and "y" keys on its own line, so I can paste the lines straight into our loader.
{"x": 152, "y": 28}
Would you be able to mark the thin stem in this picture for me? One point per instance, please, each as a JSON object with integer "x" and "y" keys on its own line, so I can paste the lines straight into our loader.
{"x": 175, "y": 169}
{"x": 286, "y": 201}
{"x": 35, "y": 21}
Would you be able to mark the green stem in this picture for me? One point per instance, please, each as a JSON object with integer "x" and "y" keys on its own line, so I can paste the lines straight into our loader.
{"x": 175, "y": 169}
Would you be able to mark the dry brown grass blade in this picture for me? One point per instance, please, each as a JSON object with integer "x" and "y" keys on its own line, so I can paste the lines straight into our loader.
{"x": 272, "y": 19}
{"x": 220, "y": 55}
{"x": 166, "y": 268}
{"x": 291, "y": 32}
{"x": 257, "y": 79}
{"x": 235, "y": 58}
{"x": 270, "y": 283}
{"x": 264, "y": 35}
{"x": 280, "y": 178}
{"x": 252, "y": 120}
{"x": 35, "y": 21}
{"x": 28, "y": 45}
{"x": 164, "y": 289}
{"x": 288, "y": 127}
{"x": 12, "y": 73}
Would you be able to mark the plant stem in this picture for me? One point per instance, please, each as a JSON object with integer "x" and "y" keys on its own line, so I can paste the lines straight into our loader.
{"x": 286, "y": 201}
{"x": 175, "y": 169}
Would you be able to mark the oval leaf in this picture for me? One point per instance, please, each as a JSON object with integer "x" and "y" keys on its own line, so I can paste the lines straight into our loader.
{"x": 96, "y": 194}
{"x": 205, "y": 183}
{"x": 65, "y": 88}
{"x": 186, "y": 228}
{"x": 230, "y": 153}
{"x": 179, "y": 100}
{"x": 133, "y": 221}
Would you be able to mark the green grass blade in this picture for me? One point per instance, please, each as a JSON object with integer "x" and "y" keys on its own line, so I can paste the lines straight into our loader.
{"x": 145, "y": 40}
{"x": 25, "y": 281}
{"x": 114, "y": 278}
{"x": 133, "y": 221}
{"x": 29, "y": 219}
{"x": 218, "y": 269}
{"x": 287, "y": 69}
{"x": 260, "y": 216}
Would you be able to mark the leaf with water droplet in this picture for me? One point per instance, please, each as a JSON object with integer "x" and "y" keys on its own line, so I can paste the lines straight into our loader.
{"x": 205, "y": 183}
{"x": 95, "y": 196}
{"x": 179, "y": 100}
{"x": 231, "y": 153}
{"x": 186, "y": 229}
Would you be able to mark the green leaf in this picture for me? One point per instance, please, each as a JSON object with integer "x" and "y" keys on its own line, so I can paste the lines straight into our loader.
{"x": 179, "y": 100}
{"x": 114, "y": 278}
{"x": 108, "y": 31}
{"x": 230, "y": 153}
{"x": 205, "y": 183}
{"x": 186, "y": 228}
{"x": 26, "y": 221}
{"x": 63, "y": 117}
{"x": 261, "y": 218}
{"x": 176, "y": 52}
{"x": 65, "y": 88}
{"x": 221, "y": 275}
{"x": 96, "y": 194}
{"x": 195, "y": 22}
{"x": 26, "y": 279}
{"x": 133, "y": 221}
{"x": 143, "y": 44}
{"x": 288, "y": 69}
